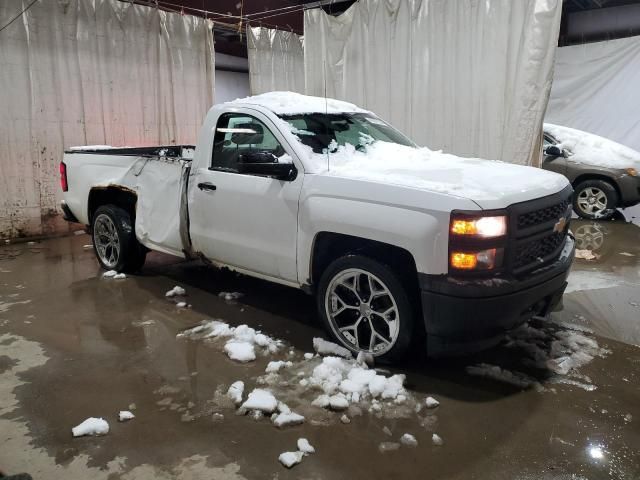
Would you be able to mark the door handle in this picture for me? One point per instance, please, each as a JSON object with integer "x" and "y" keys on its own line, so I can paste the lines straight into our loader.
{"x": 206, "y": 186}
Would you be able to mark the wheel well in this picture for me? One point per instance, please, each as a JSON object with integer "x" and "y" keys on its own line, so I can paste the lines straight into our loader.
{"x": 328, "y": 246}
{"x": 114, "y": 195}
{"x": 595, "y": 176}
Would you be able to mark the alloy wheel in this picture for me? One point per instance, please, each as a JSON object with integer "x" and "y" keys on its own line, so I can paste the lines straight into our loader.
{"x": 592, "y": 201}
{"x": 362, "y": 311}
{"x": 106, "y": 240}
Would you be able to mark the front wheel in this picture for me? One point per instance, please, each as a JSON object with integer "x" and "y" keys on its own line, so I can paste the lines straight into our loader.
{"x": 114, "y": 240}
{"x": 595, "y": 200}
{"x": 365, "y": 307}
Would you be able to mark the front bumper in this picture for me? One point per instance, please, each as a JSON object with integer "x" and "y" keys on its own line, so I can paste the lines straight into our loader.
{"x": 467, "y": 315}
{"x": 629, "y": 190}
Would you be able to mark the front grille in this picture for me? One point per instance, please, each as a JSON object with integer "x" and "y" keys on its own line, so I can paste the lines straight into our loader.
{"x": 542, "y": 215}
{"x": 535, "y": 251}
{"x": 534, "y": 241}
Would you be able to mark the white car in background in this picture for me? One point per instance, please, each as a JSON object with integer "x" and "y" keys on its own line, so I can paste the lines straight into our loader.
{"x": 604, "y": 174}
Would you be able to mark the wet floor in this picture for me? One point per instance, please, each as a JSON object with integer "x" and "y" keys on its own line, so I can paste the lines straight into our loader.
{"x": 74, "y": 345}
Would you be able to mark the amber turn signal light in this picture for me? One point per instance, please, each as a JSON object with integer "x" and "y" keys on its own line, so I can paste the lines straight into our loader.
{"x": 464, "y": 261}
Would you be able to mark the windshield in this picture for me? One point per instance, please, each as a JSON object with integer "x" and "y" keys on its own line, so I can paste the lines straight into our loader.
{"x": 326, "y": 132}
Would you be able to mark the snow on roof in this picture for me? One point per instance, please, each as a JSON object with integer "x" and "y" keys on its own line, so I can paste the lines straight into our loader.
{"x": 591, "y": 149}
{"x": 290, "y": 103}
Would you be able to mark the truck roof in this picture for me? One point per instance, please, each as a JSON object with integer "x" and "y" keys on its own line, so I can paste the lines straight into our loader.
{"x": 290, "y": 103}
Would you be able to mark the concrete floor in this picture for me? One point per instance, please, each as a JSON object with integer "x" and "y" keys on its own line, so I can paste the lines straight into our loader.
{"x": 74, "y": 345}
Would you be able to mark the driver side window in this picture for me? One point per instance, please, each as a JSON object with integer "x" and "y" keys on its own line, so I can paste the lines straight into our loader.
{"x": 237, "y": 134}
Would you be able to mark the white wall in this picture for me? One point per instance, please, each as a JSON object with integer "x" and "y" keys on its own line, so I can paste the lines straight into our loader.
{"x": 231, "y": 85}
{"x": 84, "y": 72}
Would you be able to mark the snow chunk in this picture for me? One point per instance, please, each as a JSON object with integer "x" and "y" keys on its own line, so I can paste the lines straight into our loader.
{"x": 262, "y": 400}
{"x": 181, "y": 304}
{"x": 240, "y": 351}
{"x": 119, "y": 276}
{"x": 289, "y": 459}
{"x": 308, "y": 356}
{"x": 305, "y": 447}
{"x": 235, "y": 392}
{"x": 409, "y": 440}
{"x": 109, "y": 274}
{"x": 431, "y": 402}
{"x": 91, "y": 426}
{"x": 323, "y": 347}
{"x": 338, "y": 402}
{"x": 585, "y": 254}
{"x": 125, "y": 415}
{"x": 274, "y": 367}
{"x": 176, "y": 291}
{"x": 437, "y": 439}
{"x": 288, "y": 419}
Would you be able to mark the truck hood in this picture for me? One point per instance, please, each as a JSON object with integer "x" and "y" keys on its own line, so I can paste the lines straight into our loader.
{"x": 488, "y": 183}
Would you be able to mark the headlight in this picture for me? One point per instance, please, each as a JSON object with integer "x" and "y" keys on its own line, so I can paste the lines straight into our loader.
{"x": 486, "y": 227}
{"x": 631, "y": 171}
{"x": 482, "y": 260}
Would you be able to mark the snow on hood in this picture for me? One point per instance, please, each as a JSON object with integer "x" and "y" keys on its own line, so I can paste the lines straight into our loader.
{"x": 290, "y": 103}
{"x": 591, "y": 149}
{"x": 487, "y": 182}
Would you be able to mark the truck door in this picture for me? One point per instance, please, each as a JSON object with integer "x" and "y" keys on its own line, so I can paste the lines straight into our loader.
{"x": 244, "y": 220}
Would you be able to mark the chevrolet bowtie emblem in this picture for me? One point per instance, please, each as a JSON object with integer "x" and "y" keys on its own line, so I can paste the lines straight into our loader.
{"x": 559, "y": 226}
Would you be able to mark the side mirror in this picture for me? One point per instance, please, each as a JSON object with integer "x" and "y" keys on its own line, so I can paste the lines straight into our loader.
{"x": 265, "y": 163}
{"x": 554, "y": 151}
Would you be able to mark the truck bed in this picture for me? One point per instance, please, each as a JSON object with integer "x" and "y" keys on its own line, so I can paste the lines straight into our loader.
{"x": 157, "y": 175}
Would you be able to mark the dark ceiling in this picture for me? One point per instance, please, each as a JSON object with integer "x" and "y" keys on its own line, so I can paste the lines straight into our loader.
{"x": 232, "y": 16}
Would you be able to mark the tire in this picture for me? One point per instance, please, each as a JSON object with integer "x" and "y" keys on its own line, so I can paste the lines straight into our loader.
{"x": 114, "y": 240}
{"x": 338, "y": 288}
{"x": 595, "y": 200}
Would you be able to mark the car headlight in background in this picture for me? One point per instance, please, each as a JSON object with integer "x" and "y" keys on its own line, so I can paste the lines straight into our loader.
{"x": 486, "y": 227}
{"x": 631, "y": 171}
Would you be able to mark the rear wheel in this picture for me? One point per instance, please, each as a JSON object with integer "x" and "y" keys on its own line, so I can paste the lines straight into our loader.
{"x": 114, "y": 240}
{"x": 365, "y": 307}
{"x": 595, "y": 200}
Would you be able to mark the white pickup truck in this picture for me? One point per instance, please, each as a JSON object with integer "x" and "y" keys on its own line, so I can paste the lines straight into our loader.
{"x": 397, "y": 242}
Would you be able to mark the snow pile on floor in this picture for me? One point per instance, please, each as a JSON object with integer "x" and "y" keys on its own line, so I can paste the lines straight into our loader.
{"x": 323, "y": 347}
{"x": 585, "y": 255}
{"x": 409, "y": 440}
{"x": 591, "y": 149}
{"x": 125, "y": 415}
{"x": 235, "y": 392}
{"x": 262, "y": 400}
{"x": 289, "y": 459}
{"x": 91, "y": 426}
{"x": 344, "y": 381}
{"x": 242, "y": 340}
{"x": 176, "y": 291}
{"x": 113, "y": 274}
{"x": 556, "y": 350}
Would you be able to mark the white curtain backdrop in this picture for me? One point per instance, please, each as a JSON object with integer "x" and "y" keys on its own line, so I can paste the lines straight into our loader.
{"x": 470, "y": 77}
{"x": 596, "y": 88}
{"x": 276, "y": 60}
{"x": 77, "y": 72}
